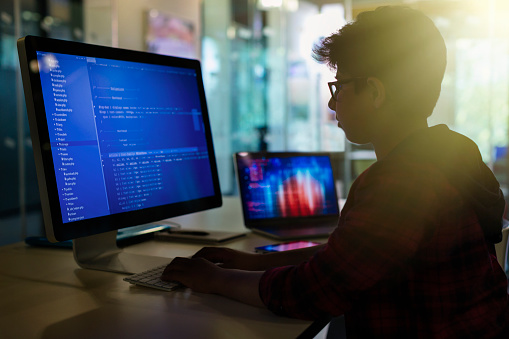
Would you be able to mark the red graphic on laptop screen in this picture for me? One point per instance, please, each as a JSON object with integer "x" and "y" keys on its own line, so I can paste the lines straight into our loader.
{"x": 300, "y": 195}
{"x": 282, "y": 187}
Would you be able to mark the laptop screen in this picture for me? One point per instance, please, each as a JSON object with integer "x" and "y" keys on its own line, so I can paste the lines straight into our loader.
{"x": 286, "y": 185}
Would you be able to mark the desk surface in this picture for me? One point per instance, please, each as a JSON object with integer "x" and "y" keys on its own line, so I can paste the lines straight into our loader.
{"x": 44, "y": 294}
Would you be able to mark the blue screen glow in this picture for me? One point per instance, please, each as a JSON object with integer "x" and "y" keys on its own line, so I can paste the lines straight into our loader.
{"x": 124, "y": 135}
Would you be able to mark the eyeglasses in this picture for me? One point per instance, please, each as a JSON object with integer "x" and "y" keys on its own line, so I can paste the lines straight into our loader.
{"x": 336, "y": 86}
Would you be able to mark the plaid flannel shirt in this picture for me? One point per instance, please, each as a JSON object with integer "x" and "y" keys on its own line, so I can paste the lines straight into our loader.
{"x": 407, "y": 260}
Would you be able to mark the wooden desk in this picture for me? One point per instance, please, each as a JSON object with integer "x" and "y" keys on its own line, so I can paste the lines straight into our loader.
{"x": 44, "y": 294}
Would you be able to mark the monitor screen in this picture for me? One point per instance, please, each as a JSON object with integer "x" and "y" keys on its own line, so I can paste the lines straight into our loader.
{"x": 120, "y": 137}
{"x": 286, "y": 185}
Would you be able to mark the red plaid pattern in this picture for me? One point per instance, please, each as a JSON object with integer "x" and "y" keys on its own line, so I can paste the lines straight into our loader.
{"x": 407, "y": 260}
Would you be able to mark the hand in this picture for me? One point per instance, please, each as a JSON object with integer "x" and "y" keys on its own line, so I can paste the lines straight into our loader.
{"x": 230, "y": 258}
{"x": 203, "y": 276}
{"x": 198, "y": 274}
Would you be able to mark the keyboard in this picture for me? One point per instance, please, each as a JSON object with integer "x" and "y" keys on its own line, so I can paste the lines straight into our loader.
{"x": 152, "y": 278}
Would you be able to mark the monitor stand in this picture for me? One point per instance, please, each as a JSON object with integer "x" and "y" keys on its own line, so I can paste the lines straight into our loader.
{"x": 100, "y": 252}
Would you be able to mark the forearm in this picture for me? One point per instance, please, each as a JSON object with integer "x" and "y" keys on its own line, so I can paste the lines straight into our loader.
{"x": 243, "y": 285}
{"x": 234, "y": 259}
{"x": 239, "y": 285}
{"x": 293, "y": 257}
{"x": 203, "y": 276}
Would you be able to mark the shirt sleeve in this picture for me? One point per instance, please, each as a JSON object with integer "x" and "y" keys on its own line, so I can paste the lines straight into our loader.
{"x": 387, "y": 216}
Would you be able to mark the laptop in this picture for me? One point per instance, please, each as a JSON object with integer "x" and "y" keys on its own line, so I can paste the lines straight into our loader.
{"x": 287, "y": 195}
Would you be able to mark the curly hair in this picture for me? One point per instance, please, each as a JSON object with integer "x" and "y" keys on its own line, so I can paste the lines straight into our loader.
{"x": 400, "y": 46}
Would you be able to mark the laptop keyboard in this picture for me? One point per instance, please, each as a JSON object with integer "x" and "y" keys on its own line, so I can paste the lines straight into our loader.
{"x": 152, "y": 278}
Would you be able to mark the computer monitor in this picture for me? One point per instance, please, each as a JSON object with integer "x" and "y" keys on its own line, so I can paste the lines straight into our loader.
{"x": 120, "y": 138}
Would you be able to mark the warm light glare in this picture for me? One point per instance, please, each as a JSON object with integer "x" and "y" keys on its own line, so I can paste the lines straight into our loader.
{"x": 289, "y": 5}
{"x": 329, "y": 20}
{"x": 292, "y": 5}
{"x": 271, "y": 3}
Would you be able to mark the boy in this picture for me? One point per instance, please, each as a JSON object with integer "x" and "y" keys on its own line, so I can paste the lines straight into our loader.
{"x": 413, "y": 253}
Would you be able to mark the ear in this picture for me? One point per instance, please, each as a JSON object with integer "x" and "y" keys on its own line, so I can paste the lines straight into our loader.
{"x": 377, "y": 91}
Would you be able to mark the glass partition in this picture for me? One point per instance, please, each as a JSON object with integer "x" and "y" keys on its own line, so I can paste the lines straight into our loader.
{"x": 19, "y": 201}
{"x": 264, "y": 91}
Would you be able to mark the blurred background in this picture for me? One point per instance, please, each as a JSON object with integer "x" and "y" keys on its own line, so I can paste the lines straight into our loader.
{"x": 264, "y": 90}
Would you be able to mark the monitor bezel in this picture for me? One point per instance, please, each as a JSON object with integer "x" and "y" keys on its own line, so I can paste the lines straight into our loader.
{"x": 56, "y": 230}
